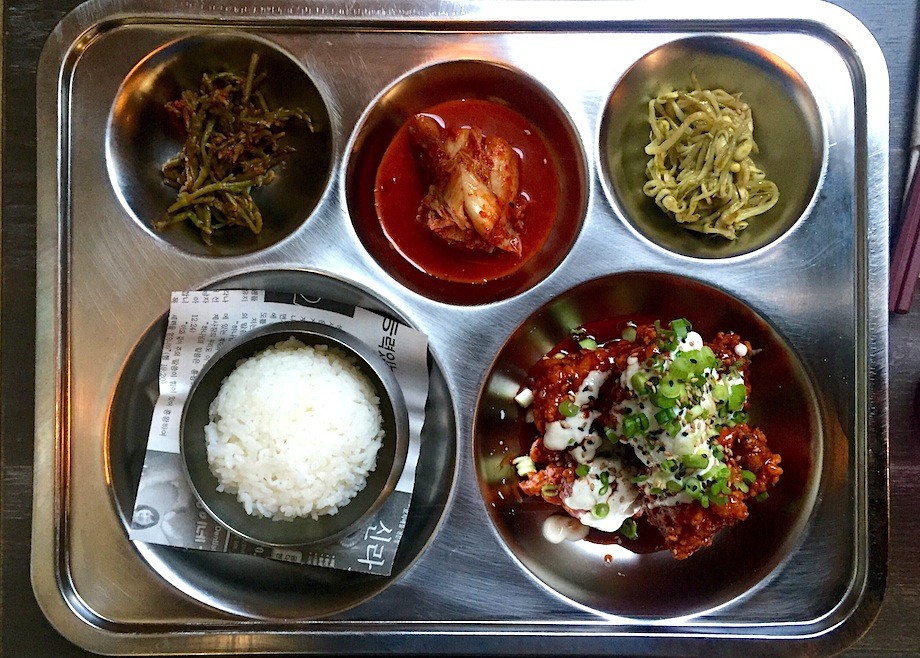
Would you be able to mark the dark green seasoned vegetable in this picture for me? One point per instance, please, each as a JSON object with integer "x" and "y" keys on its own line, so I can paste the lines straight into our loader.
{"x": 232, "y": 146}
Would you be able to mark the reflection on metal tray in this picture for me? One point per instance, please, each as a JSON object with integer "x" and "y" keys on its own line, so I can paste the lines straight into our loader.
{"x": 812, "y": 286}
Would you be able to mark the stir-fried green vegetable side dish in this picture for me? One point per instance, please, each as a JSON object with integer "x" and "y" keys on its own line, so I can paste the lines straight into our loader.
{"x": 701, "y": 172}
{"x": 232, "y": 146}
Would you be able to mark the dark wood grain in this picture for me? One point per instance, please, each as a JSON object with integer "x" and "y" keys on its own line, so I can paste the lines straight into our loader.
{"x": 24, "y": 630}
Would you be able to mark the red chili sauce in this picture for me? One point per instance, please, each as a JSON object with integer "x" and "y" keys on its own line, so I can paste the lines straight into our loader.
{"x": 400, "y": 187}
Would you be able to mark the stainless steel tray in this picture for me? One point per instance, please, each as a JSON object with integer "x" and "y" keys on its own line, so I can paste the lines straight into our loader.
{"x": 459, "y": 586}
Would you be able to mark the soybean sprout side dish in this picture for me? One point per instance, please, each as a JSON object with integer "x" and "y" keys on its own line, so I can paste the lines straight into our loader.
{"x": 232, "y": 145}
{"x": 701, "y": 172}
{"x": 649, "y": 426}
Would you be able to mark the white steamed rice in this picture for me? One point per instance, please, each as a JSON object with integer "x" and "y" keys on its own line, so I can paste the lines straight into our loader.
{"x": 294, "y": 431}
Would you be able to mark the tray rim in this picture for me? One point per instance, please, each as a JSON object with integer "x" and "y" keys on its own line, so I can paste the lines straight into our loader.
{"x": 50, "y": 575}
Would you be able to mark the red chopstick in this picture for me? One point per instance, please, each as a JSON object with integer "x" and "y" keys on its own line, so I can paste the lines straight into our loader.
{"x": 905, "y": 263}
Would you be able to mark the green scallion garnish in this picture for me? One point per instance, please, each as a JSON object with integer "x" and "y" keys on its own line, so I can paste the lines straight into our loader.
{"x": 681, "y": 327}
{"x": 568, "y": 408}
{"x": 600, "y": 510}
{"x": 639, "y": 383}
{"x": 736, "y": 397}
{"x": 696, "y": 461}
{"x": 665, "y": 415}
{"x": 629, "y": 529}
{"x": 582, "y": 470}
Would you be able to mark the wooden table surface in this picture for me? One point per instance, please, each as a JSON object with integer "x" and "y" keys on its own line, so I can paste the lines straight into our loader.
{"x": 24, "y": 630}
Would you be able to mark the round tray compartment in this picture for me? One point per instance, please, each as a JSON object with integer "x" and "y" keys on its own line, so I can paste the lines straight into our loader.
{"x": 465, "y": 80}
{"x": 609, "y": 578}
{"x": 787, "y": 130}
{"x": 257, "y": 587}
{"x": 141, "y": 137}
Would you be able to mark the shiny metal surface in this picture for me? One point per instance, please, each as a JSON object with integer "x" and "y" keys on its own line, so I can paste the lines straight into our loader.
{"x": 380, "y": 483}
{"x": 104, "y": 283}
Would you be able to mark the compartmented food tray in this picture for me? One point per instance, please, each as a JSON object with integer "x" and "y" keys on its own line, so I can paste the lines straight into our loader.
{"x": 805, "y": 283}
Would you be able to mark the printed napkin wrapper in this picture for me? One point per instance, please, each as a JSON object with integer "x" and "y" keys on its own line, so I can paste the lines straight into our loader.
{"x": 200, "y": 322}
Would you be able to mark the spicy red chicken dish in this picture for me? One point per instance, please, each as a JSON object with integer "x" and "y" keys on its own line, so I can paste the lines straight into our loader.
{"x": 651, "y": 426}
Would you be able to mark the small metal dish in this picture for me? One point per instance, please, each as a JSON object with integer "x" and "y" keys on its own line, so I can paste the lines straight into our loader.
{"x": 141, "y": 137}
{"x": 787, "y": 129}
{"x": 225, "y": 508}
{"x": 467, "y": 79}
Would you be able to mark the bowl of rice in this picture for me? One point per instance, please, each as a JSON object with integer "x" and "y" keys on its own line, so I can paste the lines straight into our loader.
{"x": 294, "y": 434}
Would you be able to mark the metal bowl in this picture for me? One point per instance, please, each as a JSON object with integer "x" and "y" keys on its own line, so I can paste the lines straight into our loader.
{"x": 140, "y": 138}
{"x": 609, "y": 578}
{"x": 787, "y": 129}
{"x": 418, "y": 91}
{"x": 225, "y": 507}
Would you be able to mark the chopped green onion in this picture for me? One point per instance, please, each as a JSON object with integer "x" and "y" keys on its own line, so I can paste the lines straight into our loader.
{"x": 704, "y": 501}
{"x": 718, "y": 452}
{"x": 697, "y": 411}
{"x": 549, "y": 490}
{"x": 695, "y": 461}
{"x": 718, "y": 500}
{"x": 681, "y": 327}
{"x": 672, "y": 427}
{"x": 661, "y": 401}
{"x": 742, "y": 487}
{"x": 708, "y": 359}
{"x": 629, "y": 334}
{"x": 762, "y": 496}
{"x": 739, "y": 417}
{"x": 605, "y": 484}
{"x": 639, "y": 479}
{"x": 611, "y": 434}
{"x": 588, "y": 344}
{"x": 681, "y": 368}
{"x": 671, "y": 388}
{"x": 667, "y": 465}
{"x": 524, "y": 465}
{"x": 692, "y": 486}
{"x": 674, "y": 487}
{"x": 638, "y": 383}
{"x": 600, "y": 510}
{"x": 719, "y": 392}
{"x": 748, "y": 476}
{"x": 568, "y": 408}
{"x": 665, "y": 415}
{"x": 582, "y": 470}
{"x": 736, "y": 397}
{"x": 634, "y": 425}
{"x": 629, "y": 529}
